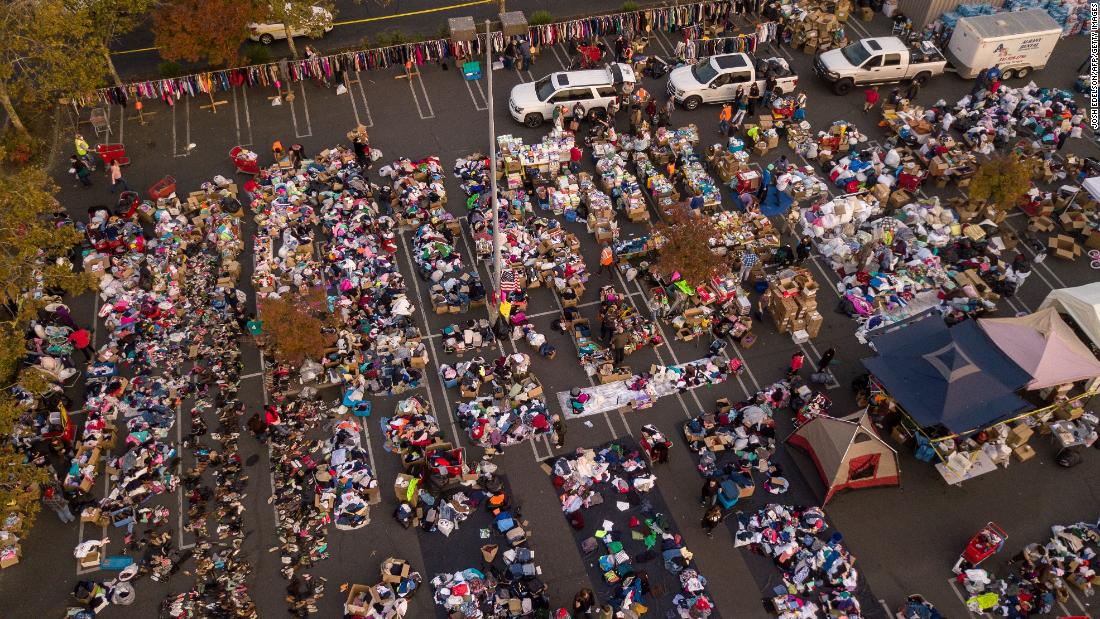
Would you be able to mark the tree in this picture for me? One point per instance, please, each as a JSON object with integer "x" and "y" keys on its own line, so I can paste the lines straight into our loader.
{"x": 110, "y": 19}
{"x": 684, "y": 246}
{"x": 292, "y": 326}
{"x": 210, "y": 30}
{"x": 34, "y": 249}
{"x": 1003, "y": 181}
{"x": 46, "y": 52}
{"x": 299, "y": 15}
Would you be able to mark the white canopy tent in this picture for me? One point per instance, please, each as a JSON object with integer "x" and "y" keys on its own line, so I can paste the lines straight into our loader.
{"x": 1082, "y": 303}
{"x": 1092, "y": 185}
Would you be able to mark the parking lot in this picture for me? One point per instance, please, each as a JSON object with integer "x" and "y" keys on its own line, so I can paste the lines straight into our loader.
{"x": 905, "y": 539}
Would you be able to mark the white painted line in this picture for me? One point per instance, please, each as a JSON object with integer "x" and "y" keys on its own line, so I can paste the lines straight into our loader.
{"x": 247, "y": 114}
{"x": 363, "y": 96}
{"x": 534, "y": 451}
{"x": 962, "y": 599}
{"x": 480, "y": 107}
{"x": 252, "y": 375}
{"x": 305, "y": 108}
{"x": 236, "y": 115}
{"x": 450, "y": 413}
{"x": 427, "y": 100}
{"x": 833, "y": 384}
{"x": 554, "y": 50}
{"x": 351, "y": 97}
{"x": 370, "y": 450}
{"x": 1083, "y": 607}
{"x": 665, "y": 44}
{"x": 179, "y": 473}
{"x": 121, "y": 123}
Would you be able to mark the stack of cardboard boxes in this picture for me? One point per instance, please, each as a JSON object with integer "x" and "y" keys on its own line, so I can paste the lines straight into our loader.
{"x": 792, "y": 303}
{"x": 822, "y": 28}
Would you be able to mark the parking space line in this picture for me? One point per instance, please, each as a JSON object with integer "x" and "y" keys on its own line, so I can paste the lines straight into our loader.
{"x": 816, "y": 358}
{"x": 480, "y": 107}
{"x": 236, "y": 116}
{"x": 962, "y": 599}
{"x": 667, "y": 343}
{"x": 351, "y": 97}
{"x": 187, "y": 129}
{"x": 416, "y": 100}
{"x": 1084, "y": 610}
{"x": 370, "y": 450}
{"x": 363, "y": 96}
{"x": 778, "y": 49}
{"x": 554, "y": 50}
{"x": 121, "y": 123}
{"x": 664, "y": 42}
{"x": 423, "y": 89}
{"x": 854, "y": 23}
{"x": 431, "y": 345}
{"x": 305, "y": 109}
{"x": 247, "y": 115}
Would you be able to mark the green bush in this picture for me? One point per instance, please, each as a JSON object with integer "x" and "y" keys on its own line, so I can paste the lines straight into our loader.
{"x": 629, "y": 6}
{"x": 393, "y": 37}
{"x": 257, "y": 54}
{"x": 540, "y": 18}
{"x": 170, "y": 68}
{"x": 17, "y": 149}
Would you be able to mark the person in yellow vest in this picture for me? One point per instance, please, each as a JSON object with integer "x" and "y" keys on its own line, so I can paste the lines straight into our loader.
{"x": 607, "y": 258}
{"x": 81, "y": 147}
{"x": 277, "y": 150}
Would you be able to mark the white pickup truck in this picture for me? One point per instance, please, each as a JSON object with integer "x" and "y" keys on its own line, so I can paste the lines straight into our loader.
{"x": 878, "y": 60}
{"x": 716, "y": 79}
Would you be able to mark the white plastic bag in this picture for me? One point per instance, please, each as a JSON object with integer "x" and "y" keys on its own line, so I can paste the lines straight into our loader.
{"x": 276, "y": 101}
{"x": 341, "y": 89}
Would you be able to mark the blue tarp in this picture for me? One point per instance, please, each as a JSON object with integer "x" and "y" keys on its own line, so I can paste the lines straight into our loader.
{"x": 955, "y": 377}
{"x": 777, "y": 203}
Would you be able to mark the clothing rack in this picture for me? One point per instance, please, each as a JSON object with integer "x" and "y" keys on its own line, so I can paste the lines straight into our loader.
{"x": 332, "y": 68}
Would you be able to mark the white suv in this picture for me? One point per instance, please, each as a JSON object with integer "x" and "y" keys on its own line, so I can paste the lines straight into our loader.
{"x": 533, "y": 102}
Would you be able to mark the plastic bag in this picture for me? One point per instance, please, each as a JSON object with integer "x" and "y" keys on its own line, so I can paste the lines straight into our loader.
{"x": 341, "y": 89}
{"x": 278, "y": 100}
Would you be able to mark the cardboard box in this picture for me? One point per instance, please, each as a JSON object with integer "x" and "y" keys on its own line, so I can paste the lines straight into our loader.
{"x": 1040, "y": 224}
{"x": 1064, "y": 247}
{"x": 394, "y": 569}
{"x": 899, "y": 198}
{"x": 364, "y": 595}
{"x": 1024, "y": 453}
{"x": 1019, "y": 435}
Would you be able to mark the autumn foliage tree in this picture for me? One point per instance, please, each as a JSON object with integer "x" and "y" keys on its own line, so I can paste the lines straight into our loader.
{"x": 210, "y": 30}
{"x": 685, "y": 247}
{"x": 46, "y": 52}
{"x": 292, "y": 326}
{"x": 299, "y": 15}
{"x": 34, "y": 263}
{"x": 1003, "y": 181}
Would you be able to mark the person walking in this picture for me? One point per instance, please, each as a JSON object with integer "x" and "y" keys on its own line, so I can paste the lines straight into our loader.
{"x": 525, "y": 54}
{"x": 803, "y": 249}
{"x": 255, "y": 328}
{"x": 754, "y": 97}
{"x": 742, "y": 107}
{"x": 619, "y": 342}
{"x": 912, "y": 92}
{"x": 55, "y": 500}
{"x": 724, "y": 118}
{"x": 607, "y": 259}
{"x": 80, "y": 170}
{"x": 748, "y": 261}
{"x": 870, "y": 98}
{"x": 797, "y": 359}
{"x": 558, "y": 427}
{"x": 80, "y": 145}
{"x": 711, "y": 519}
{"x": 826, "y": 360}
{"x": 709, "y": 491}
{"x": 115, "y": 172}
{"x": 81, "y": 339}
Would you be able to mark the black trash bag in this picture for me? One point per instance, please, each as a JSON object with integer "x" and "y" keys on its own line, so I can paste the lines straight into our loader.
{"x": 1068, "y": 458}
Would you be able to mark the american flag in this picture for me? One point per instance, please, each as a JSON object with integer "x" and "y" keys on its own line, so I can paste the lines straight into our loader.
{"x": 508, "y": 281}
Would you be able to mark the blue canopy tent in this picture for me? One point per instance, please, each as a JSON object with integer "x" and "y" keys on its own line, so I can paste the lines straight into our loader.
{"x": 952, "y": 377}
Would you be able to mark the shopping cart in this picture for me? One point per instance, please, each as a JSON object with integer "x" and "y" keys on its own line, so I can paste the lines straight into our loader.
{"x": 985, "y": 543}
{"x": 163, "y": 188}
{"x": 110, "y": 153}
{"x": 245, "y": 161}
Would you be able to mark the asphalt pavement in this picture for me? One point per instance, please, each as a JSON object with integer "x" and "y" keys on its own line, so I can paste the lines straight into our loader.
{"x": 905, "y": 539}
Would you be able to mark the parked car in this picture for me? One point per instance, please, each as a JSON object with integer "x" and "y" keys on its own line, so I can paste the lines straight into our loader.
{"x": 716, "y": 79}
{"x": 533, "y": 102}
{"x": 878, "y": 60}
{"x": 268, "y": 33}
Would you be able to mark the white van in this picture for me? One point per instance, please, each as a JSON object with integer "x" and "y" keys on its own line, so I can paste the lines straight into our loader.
{"x": 533, "y": 102}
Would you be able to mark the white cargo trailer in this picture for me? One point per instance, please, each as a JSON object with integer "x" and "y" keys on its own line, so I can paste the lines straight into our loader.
{"x": 1018, "y": 42}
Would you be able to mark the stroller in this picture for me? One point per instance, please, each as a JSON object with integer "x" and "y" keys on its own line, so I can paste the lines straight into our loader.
{"x": 985, "y": 543}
